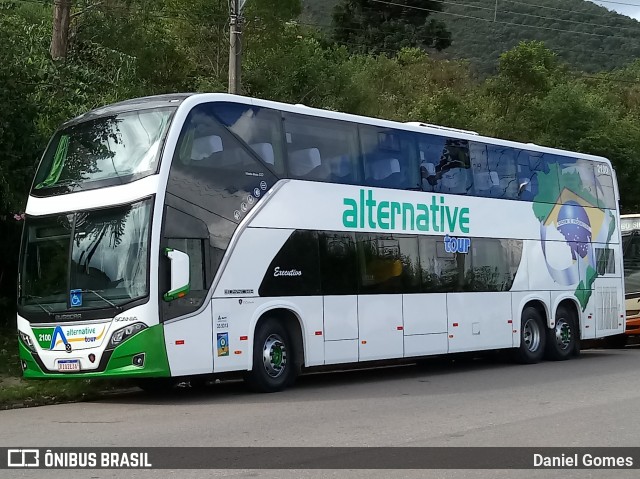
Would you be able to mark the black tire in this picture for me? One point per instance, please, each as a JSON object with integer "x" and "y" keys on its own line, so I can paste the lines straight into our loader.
{"x": 562, "y": 339}
{"x": 274, "y": 366}
{"x": 532, "y": 337}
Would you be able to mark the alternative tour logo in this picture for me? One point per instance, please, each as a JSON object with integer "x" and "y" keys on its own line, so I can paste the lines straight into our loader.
{"x": 368, "y": 212}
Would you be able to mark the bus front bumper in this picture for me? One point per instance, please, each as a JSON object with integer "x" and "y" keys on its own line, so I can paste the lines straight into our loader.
{"x": 142, "y": 355}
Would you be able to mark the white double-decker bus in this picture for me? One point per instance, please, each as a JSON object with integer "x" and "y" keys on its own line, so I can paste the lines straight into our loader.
{"x": 188, "y": 235}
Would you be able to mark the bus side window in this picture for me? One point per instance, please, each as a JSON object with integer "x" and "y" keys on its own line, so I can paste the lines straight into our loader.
{"x": 577, "y": 176}
{"x": 429, "y": 150}
{"x": 259, "y": 128}
{"x": 494, "y": 263}
{"x": 189, "y": 235}
{"x": 389, "y": 264}
{"x": 321, "y": 150}
{"x": 214, "y": 169}
{"x": 439, "y": 269}
{"x": 494, "y": 171}
{"x": 631, "y": 261}
{"x": 390, "y": 159}
{"x": 605, "y": 261}
{"x": 338, "y": 263}
{"x": 604, "y": 186}
{"x": 445, "y": 165}
{"x": 530, "y": 166}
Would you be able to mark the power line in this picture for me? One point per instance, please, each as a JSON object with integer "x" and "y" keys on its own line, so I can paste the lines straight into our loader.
{"x": 580, "y": 12}
{"x": 545, "y": 7}
{"x": 576, "y": 22}
{"x": 620, "y": 3}
{"x": 553, "y": 19}
{"x": 436, "y": 37}
{"x": 502, "y": 22}
{"x": 633, "y": 29}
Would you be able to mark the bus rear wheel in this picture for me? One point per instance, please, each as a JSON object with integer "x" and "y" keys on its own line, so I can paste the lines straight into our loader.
{"x": 273, "y": 358}
{"x": 561, "y": 339}
{"x": 532, "y": 337}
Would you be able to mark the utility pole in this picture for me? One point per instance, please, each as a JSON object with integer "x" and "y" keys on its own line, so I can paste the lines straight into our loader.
{"x": 495, "y": 12}
{"x": 60, "y": 35}
{"x": 235, "y": 45}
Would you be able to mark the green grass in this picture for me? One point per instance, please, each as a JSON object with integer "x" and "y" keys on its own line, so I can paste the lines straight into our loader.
{"x": 18, "y": 392}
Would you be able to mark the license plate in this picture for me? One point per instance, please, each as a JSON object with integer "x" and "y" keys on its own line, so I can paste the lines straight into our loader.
{"x": 68, "y": 365}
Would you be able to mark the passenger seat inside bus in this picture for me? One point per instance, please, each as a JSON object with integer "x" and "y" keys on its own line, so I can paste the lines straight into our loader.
{"x": 453, "y": 181}
{"x": 386, "y": 173}
{"x": 305, "y": 163}
{"x": 340, "y": 167}
{"x": 486, "y": 183}
{"x": 264, "y": 151}
{"x": 205, "y": 146}
{"x": 428, "y": 176}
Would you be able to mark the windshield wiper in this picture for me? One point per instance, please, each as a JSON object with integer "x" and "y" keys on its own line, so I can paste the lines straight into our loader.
{"x": 109, "y": 302}
{"x": 35, "y": 300}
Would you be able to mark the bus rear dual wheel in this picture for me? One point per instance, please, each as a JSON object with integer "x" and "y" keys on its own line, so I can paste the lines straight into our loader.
{"x": 537, "y": 341}
{"x": 274, "y": 367}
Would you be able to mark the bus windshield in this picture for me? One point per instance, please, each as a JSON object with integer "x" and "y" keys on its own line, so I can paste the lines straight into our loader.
{"x": 117, "y": 148}
{"x": 85, "y": 260}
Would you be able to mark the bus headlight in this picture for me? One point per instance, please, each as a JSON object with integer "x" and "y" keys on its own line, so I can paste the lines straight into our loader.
{"x": 121, "y": 335}
{"x": 26, "y": 340}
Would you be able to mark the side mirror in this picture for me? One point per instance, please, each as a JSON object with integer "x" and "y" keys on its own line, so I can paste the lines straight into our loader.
{"x": 179, "y": 274}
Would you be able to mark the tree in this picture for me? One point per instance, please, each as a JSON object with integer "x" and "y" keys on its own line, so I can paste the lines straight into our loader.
{"x": 372, "y": 26}
{"x": 60, "y": 34}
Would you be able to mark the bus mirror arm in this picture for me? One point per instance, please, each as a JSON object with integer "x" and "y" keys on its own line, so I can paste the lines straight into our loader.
{"x": 180, "y": 280}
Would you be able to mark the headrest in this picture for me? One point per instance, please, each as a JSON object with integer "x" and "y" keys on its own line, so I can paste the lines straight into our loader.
{"x": 430, "y": 168}
{"x": 302, "y": 162}
{"x": 340, "y": 165}
{"x": 205, "y": 146}
{"x": 385, "y": 167}
{"x": 264, "y": 151}
{"x": 453, "y": 179}
{"x": 484, "y": 180}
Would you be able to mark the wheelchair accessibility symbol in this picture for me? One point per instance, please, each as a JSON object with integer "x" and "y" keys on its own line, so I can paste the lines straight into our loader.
{"x": 75, "y": 298}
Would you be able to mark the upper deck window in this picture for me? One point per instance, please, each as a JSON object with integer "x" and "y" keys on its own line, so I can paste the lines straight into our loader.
{"x": 106, "y": 151}
{"x": 321, "y": 149}
{"x": 259, "y": 128}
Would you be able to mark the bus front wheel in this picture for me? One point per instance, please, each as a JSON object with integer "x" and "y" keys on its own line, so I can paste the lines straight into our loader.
{"x": 532, "y": 337}
{"x": 273, "y": 358}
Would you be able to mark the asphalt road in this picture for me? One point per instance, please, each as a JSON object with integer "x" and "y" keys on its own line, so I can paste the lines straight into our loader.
{"x": 590, "y": 401}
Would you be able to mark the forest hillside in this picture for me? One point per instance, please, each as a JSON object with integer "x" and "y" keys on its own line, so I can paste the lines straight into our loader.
{"x": 586, "y": 36}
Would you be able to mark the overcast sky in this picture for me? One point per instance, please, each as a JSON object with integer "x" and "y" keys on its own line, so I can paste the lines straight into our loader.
{"x": 629, "y": 10}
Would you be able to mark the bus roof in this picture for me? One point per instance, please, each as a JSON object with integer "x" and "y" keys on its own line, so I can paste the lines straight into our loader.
{"x": 156, "y": 101}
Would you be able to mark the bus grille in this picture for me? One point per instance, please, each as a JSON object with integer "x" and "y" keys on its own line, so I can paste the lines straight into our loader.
{"x": 607, "y": 308}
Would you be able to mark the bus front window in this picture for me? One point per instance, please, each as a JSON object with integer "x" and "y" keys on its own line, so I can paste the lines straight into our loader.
{"x": 102, "y": 255}
{"x": 108, "y": 150}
